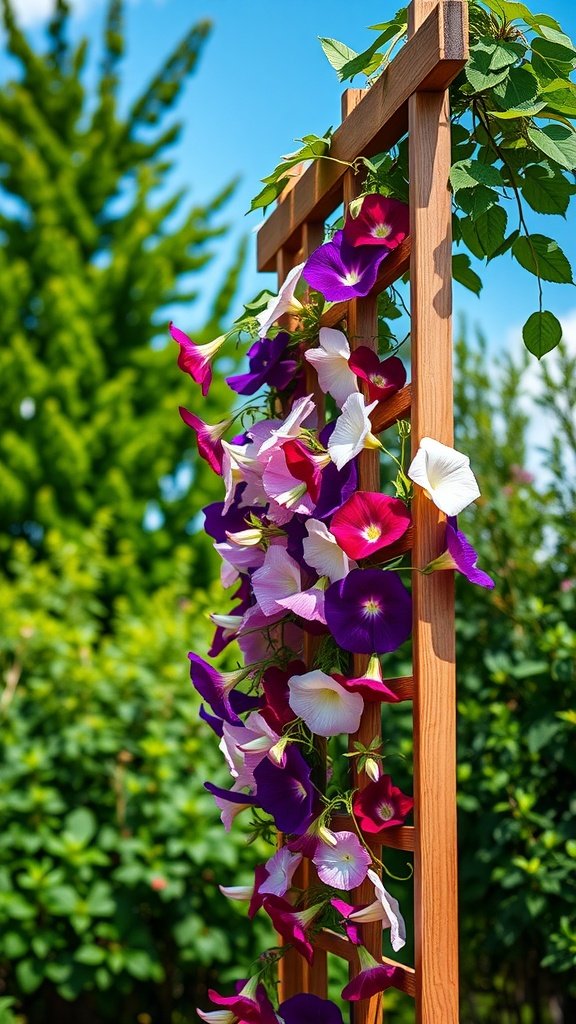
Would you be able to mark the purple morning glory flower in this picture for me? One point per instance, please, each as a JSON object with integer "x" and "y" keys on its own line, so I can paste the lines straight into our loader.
{"x": 341, "y": 271}
{"x": 215, "y": 687}
{"x": 268, "y": 365}
{"x": 309, "y": 1009}
{"x": 286, "y": 793}
{"x": 461, "y": 556}
{"x": 217, "y": 522}
{"x": 369, "y": 611}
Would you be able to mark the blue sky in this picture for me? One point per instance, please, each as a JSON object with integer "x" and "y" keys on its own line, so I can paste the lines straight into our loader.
{"x": 262, "y": 83}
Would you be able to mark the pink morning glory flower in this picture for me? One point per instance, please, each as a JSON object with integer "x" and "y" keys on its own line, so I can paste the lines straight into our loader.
{"x": 196, "y": 359}
{"x": 278, "y": 577}
{"x": 283, "y": 487}
{"x": 377, "y": 220}
{"x": 383, "y": 378}
{"x": 343, "y": 865}
{"x": 445, "y": 475}
{"x": 326, "y": 707}
{"x": 353, "y": 431}
{"x": 208, "y": 438}
{"x": 292, "y": 924}
{"x": 281, "y": 868}
{"x": 330, "y": 361}
{"x": 374, "y": 977}
{"x": 371, "y": 686}
{"x": 381, "y": 805}
{"x": 369, "y": 611}
{"x": 369, "y": 521}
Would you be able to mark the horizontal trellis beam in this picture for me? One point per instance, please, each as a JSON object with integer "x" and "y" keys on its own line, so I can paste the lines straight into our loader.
{"x": 336, "y": 944}
{"x": 400, "y": 837}
{"x": 392, "y": 409}
{"x": 426, "y": 63}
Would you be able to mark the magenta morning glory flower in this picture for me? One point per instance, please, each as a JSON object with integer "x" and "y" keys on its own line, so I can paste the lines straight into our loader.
{"x": 196, "y": 359}
{"x": 309, "y": 1009}
{"x": 369, "y": 521}
{"x": 341, "y": 272}
{"x": 461, "y": 556}
{"x": 292, "y": 924}
{"x": 286, "y": 792}
{"x": 379, "y": 221}
{"x": 381, "y": 805}
{"x": 374, "y": 977}
{"x": 383, "y": 378}
{"x": 371, "y": 685}
{"x": 369, "y": 611}
{"x": 250, "y": 1005}
{"x": 268, "y": 365}
{"x": 208, "y": 438}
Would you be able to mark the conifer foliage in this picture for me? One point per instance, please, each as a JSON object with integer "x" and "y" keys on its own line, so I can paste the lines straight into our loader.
{"x": 94, "y": 248}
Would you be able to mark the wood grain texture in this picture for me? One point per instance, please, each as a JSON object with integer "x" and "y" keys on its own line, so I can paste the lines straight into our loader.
{"x": 334, "y": 943}
{"x": 397, "y": 407}
{"x": 431, "y": 61}
{"x": 435, "y": 852}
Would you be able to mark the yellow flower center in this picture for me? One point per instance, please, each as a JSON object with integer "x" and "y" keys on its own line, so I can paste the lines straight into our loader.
{"x": 372, "y": 532}
{"x": 381, "y": 231}
{"x": 372, "y": 606}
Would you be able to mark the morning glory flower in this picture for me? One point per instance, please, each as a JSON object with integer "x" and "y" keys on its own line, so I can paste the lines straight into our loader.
{"x": 374, "y": 977}
{"x": 353, "y": 431}
{"x": 445, "y": 475}
{"x": 377, "y": 220}
{"x": 326, "y": 707}
{"x": 461, "y": 556}
{"x": 281, "y": 868}
{"x": 383, "y": 377}
{"x": 371, "y": 685}
{"x": 284, "y": 302}
{"x": 323, "y": 553}
{"x": 249, "y": 1004}
{"x": 369, "y": 611}
{"x": 341, "y": 272}
{"x": 278, "y": 577}
{"x": 282, "y": 487}
{"x": 286, "y": 792}
{"x": 309, "y": 1009}
{"x": 330, "y": 361}
{"x": 215, "y": 687}
{"x": 196, "y": 359}
{"x": 369, "y": 521}
{"x": 208, "y": 438}
{"x": 292, "y": 924}
{"x": 268, "y": 365}
{"x": 381, "y": 805}
{"x": 230, "y": 802}
{"x": 343, "y": 865}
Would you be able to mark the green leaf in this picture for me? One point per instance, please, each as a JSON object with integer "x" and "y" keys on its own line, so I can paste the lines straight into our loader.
{"x": 541, "y": 333}
{"x": 520, "y": 89}
{"x": 556, "y": 142}
{"x": 480, "y": 79}
{"x": 369, "y": 60}
{"x": 337, "y": 53}
{"x": 462, "y": 273}
{"x": 505, "y": 53}
{"x": 543, "y": 257}
{"x": 30, "y": 975}
{"x": 491, "y": 229}
{"x": 476, "y": 200}
{"x": 545, "y": 189}
{"x": 552, "y": 52}
{"x": 81, "y": 824}
{"x": 267, "y": 196}
{"x": 469, "y": 173}
{"x": 90, "y": 955}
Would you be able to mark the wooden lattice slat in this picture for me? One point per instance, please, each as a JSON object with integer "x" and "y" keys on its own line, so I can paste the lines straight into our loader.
{"x": 410, "y": 95}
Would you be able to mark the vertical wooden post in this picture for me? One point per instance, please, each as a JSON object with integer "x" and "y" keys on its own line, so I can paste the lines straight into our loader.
{"x": 435, "y": 855}
{"x": 363, "y": 330}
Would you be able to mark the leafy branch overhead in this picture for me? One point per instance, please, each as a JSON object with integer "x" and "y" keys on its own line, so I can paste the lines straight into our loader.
{"x": 514, "y": 144}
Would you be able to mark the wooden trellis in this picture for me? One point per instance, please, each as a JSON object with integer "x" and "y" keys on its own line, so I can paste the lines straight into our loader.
{"x": 411, "y": 96}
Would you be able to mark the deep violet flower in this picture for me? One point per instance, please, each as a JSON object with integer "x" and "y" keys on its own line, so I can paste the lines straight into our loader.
{"x": 292, "y": 924}
{"x": 208, "y": 438}
{"x": 445, "y": 475}
{"x": 369, "y": 611}
{"x": 218, "y": 524}
{"x": 215, "y": 686}
{"x": 374, "y": 977}
{"x": 309, "y": 1009}
{"x": 340, "y": 271}
{"x": 460, "y": 555}
{"x": 337, "y": 484}
{"x": 343, "y": 865}
{"x": 381, "y": 805}
{"x": 268, "y": 365}
{"x": 196, "y": 359}
{"x": 369, "y": 521}
{"x": 383, "y": 377}
{"x": 286, "y": 793}
{"x": 377, "y": 220}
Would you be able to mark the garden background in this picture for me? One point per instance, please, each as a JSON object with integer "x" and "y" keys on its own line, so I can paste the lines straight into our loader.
{"x": 111, "y": 222}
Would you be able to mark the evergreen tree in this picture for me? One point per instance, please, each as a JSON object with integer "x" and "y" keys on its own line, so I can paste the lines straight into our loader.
{"x": 93, "y": 251}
